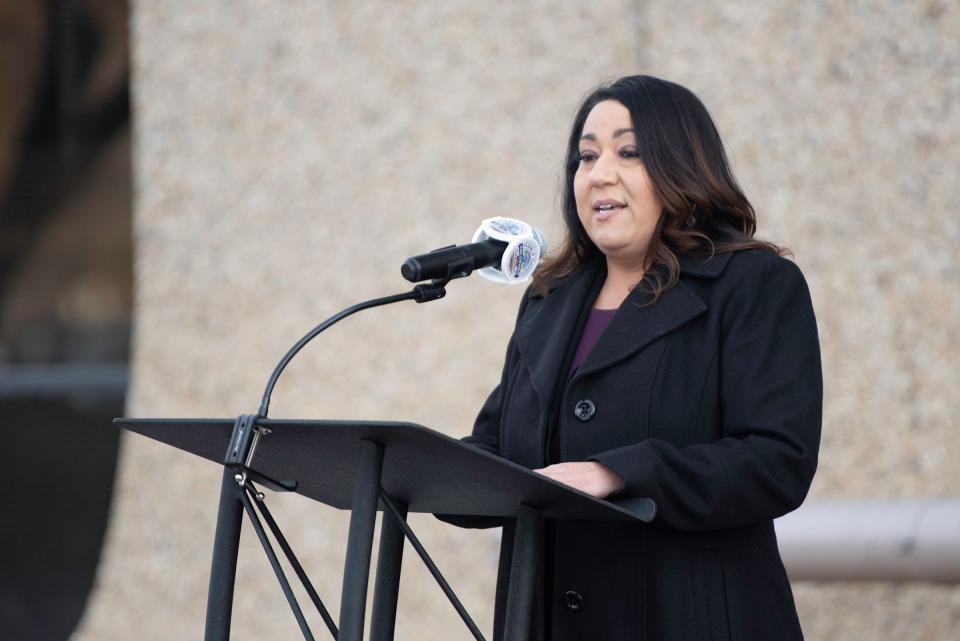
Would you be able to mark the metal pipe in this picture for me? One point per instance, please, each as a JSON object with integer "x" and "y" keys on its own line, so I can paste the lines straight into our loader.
{"x": 275, "y": 564}
{"x": 873, "y": 540}
{"x": 524, "y": 574}
{"x": 386, "y": 587}
{"x": 223, "y": 570}
{"x": 102, "y": 380}
{"x": 297, "y": 567}
{"x": 398, "y": 520}
{"x": 363, "y": 518}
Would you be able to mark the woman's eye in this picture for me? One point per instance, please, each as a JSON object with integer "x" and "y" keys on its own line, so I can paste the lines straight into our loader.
{"x": 587, "y": 156}
{"x": 629, "y": 152}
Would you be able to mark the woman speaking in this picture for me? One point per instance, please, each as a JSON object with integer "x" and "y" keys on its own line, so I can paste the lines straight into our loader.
{"x": 662, "y": 352}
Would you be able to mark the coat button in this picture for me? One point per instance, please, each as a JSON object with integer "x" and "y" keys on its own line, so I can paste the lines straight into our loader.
{"x": 585, "y": 409}
{"x": 573, "y": 600}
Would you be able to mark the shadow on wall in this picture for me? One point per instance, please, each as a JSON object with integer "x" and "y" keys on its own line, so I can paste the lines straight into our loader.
{"x": 65, "y": 299}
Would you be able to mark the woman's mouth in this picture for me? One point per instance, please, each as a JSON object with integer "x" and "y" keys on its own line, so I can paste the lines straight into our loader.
{"x": 606, "y": 208}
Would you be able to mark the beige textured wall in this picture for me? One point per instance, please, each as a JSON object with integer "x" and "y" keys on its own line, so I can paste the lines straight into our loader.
{"x": 290, "y": 155}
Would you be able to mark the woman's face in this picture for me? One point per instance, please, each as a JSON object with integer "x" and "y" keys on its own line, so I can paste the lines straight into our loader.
{"x": 615, "y": 198}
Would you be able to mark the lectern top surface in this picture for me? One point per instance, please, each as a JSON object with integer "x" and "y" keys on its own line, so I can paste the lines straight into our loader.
{"x": 425, "y": 469}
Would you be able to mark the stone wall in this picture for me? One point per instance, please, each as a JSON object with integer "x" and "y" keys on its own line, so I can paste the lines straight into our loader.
{"x": 288, "y": 156}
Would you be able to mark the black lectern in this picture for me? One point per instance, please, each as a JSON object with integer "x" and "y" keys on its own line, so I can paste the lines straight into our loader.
{"x": 366, "y": 466}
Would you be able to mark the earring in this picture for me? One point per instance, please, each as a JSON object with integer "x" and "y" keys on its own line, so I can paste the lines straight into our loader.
{"x": 692, "y": 220}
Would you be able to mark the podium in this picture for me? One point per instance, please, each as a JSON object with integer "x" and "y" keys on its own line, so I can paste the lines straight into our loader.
{"x": 367, "y": 467}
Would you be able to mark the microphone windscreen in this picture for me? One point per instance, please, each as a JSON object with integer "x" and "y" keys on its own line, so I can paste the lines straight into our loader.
{"x": 525, "y": 246}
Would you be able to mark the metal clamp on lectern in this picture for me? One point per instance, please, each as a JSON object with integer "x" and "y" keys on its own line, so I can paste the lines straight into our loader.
{"x": 241, "y": 449}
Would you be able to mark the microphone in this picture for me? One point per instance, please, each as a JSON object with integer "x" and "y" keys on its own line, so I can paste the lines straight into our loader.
{"x": 453, "y": 261}
{"x": 504, "y": 250}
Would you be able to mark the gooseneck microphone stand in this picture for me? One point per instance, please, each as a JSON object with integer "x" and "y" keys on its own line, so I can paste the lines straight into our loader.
{"x": 421, "y": 293}
{"x": 238, "y": 495}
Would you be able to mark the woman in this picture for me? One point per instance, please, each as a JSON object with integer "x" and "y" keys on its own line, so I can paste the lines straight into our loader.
{"x": 662, "y": 353}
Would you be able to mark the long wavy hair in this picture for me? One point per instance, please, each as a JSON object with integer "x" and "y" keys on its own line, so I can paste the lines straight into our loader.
{"x": 704, "y": 209}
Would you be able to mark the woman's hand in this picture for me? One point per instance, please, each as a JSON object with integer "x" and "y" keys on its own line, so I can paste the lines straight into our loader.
{"x": 591, "y": 477}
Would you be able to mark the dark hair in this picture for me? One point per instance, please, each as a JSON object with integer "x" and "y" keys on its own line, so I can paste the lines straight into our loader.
{"x": 682, "y": 153}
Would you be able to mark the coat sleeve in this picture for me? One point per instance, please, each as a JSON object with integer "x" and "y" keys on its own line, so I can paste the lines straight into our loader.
{"x": 486, "y": 427}
{"x": 771, "y": 395}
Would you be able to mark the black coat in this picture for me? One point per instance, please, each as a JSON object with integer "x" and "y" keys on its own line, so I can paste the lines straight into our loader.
{"x": 707, "y": 401}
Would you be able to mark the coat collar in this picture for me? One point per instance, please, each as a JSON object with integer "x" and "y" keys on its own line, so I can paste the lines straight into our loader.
{"x": 546, "y": 331}
{"x": 703, "y": 267}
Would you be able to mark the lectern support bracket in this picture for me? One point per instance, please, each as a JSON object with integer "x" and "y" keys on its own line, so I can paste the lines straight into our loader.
{"x": 244, "y": 439}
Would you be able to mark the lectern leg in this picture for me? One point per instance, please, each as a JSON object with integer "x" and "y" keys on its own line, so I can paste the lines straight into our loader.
{"x": 363, "y": 518}
{"x": 387, "y": 584}
{"x": 524, "y": 572}
{"x": 223, "y": 569}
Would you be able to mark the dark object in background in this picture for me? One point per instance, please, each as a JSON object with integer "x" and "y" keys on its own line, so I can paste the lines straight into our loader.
{"x": 65, "y": 300}
{"x": 63, "y": 456}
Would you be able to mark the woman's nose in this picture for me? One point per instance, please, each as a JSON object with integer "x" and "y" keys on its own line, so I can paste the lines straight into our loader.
{"x": 603, "y": 172}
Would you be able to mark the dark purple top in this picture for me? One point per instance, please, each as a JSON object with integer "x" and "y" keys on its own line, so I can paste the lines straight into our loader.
{"x": 596, "y": 323}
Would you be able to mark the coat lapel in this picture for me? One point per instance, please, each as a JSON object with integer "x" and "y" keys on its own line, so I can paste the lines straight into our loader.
{"x": 546, "y": 332}
{"x": 636, "y": 325}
